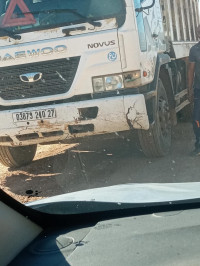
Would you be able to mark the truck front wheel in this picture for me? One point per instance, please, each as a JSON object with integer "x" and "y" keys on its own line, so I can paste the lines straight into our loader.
{"x": 156, "y": 141}
{"x": 17, "y": 156}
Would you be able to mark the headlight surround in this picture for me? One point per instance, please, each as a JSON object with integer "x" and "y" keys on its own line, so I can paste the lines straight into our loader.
{"x": 117, "y": 81}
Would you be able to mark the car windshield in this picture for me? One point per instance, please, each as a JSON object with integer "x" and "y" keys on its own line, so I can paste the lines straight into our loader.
{"x": 30, "y": 15}
{"x": 99, "y": 102}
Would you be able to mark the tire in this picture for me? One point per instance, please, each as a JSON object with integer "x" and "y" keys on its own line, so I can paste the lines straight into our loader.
{"x": 156, "y": 141}
{"x": 17, "y": 156}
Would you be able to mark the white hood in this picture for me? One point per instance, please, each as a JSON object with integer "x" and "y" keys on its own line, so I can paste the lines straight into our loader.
{"x": 131, "y": 193}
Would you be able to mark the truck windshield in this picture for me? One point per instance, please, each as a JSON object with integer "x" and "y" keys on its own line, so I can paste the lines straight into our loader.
{"x": 29, "y": 15}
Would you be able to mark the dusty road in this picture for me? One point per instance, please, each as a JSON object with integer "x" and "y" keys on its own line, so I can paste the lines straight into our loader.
{"x": 97, "y": 163}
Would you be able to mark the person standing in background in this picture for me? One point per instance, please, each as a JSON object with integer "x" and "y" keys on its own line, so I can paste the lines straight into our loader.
{"x": 194, "y": 90}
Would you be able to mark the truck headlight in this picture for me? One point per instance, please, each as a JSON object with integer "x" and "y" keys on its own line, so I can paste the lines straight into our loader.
{"x": 113, "y": 83}
{"x": 117, "y": 82}
{"x": 107, "y": 83}
{"x": 132, "y": 79}
{"x": 98, "y": 84}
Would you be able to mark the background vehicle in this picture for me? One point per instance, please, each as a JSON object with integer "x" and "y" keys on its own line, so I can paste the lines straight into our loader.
{"x": 106, "y": 67}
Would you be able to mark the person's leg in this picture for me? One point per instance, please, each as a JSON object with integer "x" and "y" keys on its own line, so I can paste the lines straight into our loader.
{"x": 196, "y": 119}
{"x": 196, "y": 129}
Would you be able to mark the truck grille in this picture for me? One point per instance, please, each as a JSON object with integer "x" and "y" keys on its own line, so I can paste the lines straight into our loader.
{"x": 57, "y": 78}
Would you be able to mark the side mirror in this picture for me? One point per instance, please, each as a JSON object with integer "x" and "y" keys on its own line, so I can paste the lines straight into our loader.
{"x": 141, "y": 9}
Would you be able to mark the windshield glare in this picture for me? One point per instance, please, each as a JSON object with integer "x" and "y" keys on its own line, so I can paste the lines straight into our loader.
{"x": 29, "y": 15}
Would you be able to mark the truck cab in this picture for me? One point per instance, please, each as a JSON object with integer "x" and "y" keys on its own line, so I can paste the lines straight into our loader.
{"x": 77, "y": 68}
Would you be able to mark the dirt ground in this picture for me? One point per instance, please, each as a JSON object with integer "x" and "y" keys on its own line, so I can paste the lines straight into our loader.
{"x": 64, "y": 168}
{"x": 40, "y": 168}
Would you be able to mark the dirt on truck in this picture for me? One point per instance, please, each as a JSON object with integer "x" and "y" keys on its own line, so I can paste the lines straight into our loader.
{"x": 71, "y": 69}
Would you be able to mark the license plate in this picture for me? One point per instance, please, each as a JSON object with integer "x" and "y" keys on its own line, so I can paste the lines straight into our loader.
{"x": 34, "y": 115}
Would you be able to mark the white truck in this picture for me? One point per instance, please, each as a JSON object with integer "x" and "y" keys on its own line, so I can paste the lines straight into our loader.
{"x": 76, "y": 68}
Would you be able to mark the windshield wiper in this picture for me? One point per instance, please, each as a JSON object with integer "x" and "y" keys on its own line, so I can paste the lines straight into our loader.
{"x": 4, "y": 32}
{"x": 68, "y": 10}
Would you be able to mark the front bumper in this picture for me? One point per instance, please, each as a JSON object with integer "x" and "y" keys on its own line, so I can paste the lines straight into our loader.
{"x": 77, "y": 119}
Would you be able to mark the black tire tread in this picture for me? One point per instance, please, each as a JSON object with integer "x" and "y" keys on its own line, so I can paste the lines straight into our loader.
{"x": 8, "y": 159}
{"x": 149, "y": 142}
{"x": 149, "y": 145}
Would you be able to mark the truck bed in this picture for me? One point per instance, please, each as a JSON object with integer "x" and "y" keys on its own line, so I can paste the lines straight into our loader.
{"x": 180, "y": 20}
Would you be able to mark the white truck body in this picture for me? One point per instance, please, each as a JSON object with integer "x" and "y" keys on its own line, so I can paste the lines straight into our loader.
{"x": 100, "y": 51}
